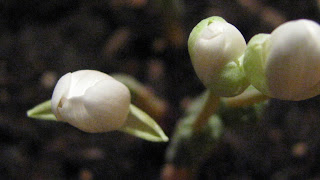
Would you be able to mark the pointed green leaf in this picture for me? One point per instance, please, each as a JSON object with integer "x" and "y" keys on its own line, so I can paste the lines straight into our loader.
{"x": 141, "y": 125}
{"x": 42, "y": 111}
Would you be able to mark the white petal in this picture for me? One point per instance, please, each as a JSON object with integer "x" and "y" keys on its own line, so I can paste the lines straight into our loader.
{"x": 293, "y": 66}
{"x": 209, "y": 48}
{"x": 108, "y": 102}
{"x": 91, "y": 101}
{"x": 61, "y": 89}
{"x": 74, "y": 112}
{"x": 83, "y": 79}
{"x": 235, "y": 43}
{"x": 219, "y": 44}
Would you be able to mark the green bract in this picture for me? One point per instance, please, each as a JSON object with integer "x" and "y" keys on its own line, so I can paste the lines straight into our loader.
{"x": 215, "y": 49}
{"x": 285, "y": 64}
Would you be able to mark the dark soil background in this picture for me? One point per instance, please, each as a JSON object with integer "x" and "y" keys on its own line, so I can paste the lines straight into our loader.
{"x": 42, "y": 40}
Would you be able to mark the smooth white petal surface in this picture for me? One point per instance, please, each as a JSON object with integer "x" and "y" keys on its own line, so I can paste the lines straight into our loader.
{"x": 74, "y": 112}
{"x": 108, "y": 101}
{"x": 293, "y": 63}
{"x": 91, "y": 101}
{"x": 83, "y": 79}
{"x": 218, "y": 44}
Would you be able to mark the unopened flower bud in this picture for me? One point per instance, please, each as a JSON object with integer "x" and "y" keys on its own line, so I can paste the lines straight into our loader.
{"x": 286, "y": 63}
{"x": 215, "y": 49}
{"x": 91, "y": 101}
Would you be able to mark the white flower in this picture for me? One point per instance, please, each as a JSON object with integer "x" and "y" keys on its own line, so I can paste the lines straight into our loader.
{"x": 215, "y": 48}
{"x": 91, "y": 101}
{"x": 286, "y": 63}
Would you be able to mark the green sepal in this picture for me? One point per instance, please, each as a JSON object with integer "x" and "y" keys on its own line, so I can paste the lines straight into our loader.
{"x": 42, "y": 111}
{"x": 141, "y": 125}
{"x": 254, "y": 62}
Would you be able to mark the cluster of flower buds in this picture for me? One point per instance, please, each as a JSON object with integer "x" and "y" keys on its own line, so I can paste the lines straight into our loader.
{"x": 284, "y": 64}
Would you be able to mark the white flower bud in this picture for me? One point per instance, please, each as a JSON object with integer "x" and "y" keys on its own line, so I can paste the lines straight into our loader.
{"x": 286, "y": 63}
{"x": 215, "y": 48}
{"x": 91, "y": 101}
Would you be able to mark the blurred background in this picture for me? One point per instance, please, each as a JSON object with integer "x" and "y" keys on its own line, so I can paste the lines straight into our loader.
{"x": 42, "y": 40}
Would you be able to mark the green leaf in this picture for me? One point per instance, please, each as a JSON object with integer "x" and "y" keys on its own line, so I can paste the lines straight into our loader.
{"x": 42, "y": 111}
{"x": 141, "y": 125}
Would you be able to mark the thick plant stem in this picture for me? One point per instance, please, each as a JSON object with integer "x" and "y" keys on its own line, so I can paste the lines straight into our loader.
{"x": 247, "y": 98}
{"x": 209, "y": 108}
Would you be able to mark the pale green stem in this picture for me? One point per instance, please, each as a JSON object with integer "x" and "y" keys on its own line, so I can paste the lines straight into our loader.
{"x": 211, "y": 105}
{"x": 209, "y": 108}
{"x": 247, "y": 98}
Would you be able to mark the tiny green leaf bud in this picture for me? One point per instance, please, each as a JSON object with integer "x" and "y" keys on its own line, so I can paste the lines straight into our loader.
{"x": 285, "y": 64}
{"x": 91, "y": 101}
{"x": 215, "y": 49}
